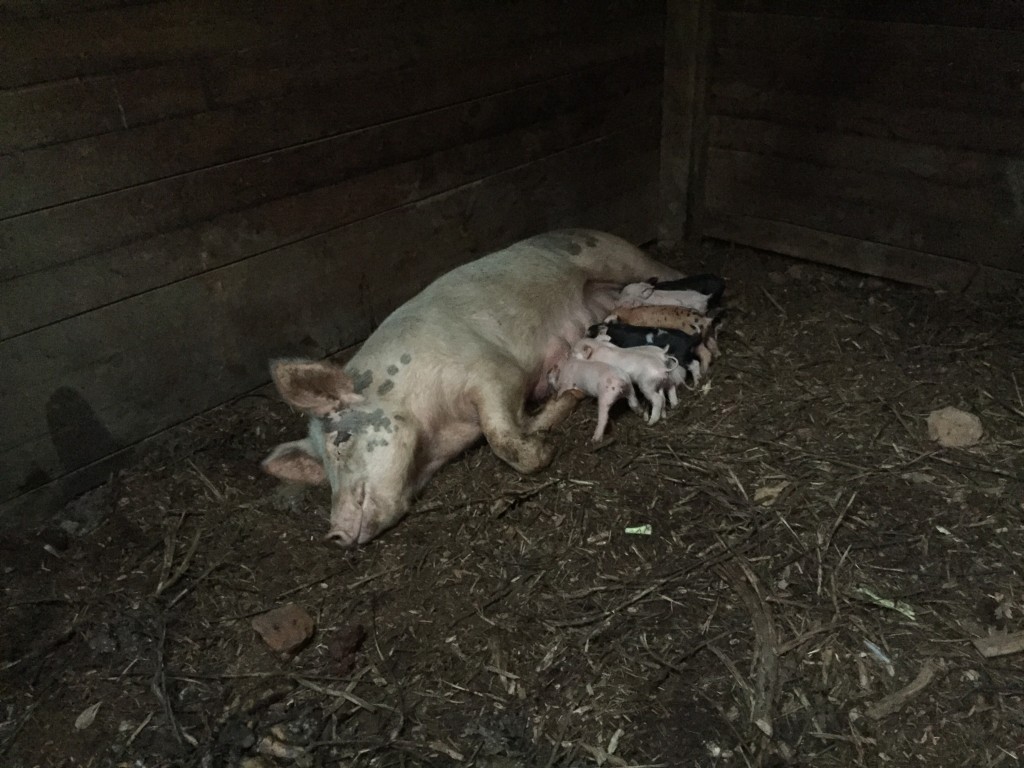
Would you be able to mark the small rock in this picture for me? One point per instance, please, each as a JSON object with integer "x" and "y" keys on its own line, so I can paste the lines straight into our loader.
{"x": 953, "y": 428}
{"x": 285, "y": 629}
{"x": 101, "y": 641}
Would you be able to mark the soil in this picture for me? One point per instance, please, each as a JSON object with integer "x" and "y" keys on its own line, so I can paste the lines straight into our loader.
{"x": 815, "y": 573}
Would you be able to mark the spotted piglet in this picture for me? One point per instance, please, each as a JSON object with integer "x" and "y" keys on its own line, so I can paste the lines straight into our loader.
{"x": 605, "y": 382}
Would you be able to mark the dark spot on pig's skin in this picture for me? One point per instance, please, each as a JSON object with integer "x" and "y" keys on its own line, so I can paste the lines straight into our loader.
{"x": 406, "y": 358}
{"x": 392, "y": 370}
{"x": 386, "y": 387}
{"x": 361, "y": 380}
{"x": 374, "y": 442}
{"x": 574, "y": 248}
{"x": 590, "y": 241}
{"x": 354, "y": 422}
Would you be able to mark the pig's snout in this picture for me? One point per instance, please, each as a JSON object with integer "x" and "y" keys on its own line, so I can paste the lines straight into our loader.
{"x": 340, "y": 538}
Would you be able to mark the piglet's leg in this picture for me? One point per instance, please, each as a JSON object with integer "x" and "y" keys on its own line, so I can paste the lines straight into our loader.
{"x": 604, "y": 404}
{"x": 673, "y": 396}
{"x": 657, "y": 404}
{"x": 704, "y": 355}
{"x": 634, "y": 404}
{"x": 694, "y": 369}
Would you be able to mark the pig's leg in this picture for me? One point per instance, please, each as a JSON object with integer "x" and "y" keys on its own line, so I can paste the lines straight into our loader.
{"x": 712, "y": 345}
{"x": 634, "y": 404}
{"x": 657, "y": 402}
{"x": 605, "y": 399}
{"x": 694, "y": 368}
{"x": 673, "y": 395}
{"x": 554, "y": 411}
{"x": 704, "y": 355}
{"x": 499, "y": 405}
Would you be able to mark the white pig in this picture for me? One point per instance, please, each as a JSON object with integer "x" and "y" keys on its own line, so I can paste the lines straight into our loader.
{"x": 647, "y": 295}
{"x": 647, "y": 367}
{"x": 455, "y": 362}
{"x": 601, "y": 380}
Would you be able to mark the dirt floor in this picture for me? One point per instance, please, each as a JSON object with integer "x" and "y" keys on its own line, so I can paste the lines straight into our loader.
{"x": 815, "y": 573}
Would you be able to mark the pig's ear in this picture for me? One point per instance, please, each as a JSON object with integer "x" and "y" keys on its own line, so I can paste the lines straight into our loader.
{"x": 586, "y": 350}
{"x": 313, "y": 386}
{"x": 296, "y": 463}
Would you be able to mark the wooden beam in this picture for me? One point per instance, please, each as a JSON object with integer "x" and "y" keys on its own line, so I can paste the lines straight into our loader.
{"x": 852, "y": 253}
{"x": 687, "y": 42}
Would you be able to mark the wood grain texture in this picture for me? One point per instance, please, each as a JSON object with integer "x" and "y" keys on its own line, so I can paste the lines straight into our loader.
{"x": 900, "y": 125}
{"x": 298, "y": 193}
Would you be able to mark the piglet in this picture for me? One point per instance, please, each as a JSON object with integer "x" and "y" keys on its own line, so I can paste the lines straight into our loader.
{"x": 683, "y": 347}
{"x": 646, "y": 295}
{"x": 647, "y": 367}
{"x": 601, "y": 380}
{"x": 710, "y": 285}
{"x": 677, "y": 318}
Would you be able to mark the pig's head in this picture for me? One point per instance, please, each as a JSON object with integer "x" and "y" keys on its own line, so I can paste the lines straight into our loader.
{"x": 365, "y": 449}
{"x": 636, "y": 292}
{"x": 584, "y": 349}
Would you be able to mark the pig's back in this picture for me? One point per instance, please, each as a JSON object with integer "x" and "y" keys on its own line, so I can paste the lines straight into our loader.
{"x": 514, "y": 300}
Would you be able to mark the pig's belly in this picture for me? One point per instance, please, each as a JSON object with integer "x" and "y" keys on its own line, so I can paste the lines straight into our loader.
{"x": 570, "y": 328}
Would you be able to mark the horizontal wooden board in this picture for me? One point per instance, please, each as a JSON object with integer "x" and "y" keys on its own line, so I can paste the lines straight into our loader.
{"x": 993, "y": 14}
{"x": 31, "y": 9}
{"x": 993, "y": 178}
{"x": 852, "y": 253}
{"x": 850, "y": 42}
{"x": 103, "y": 40}
{"x": 376, "y": 184}
{"x": 75, "y": 108}
{"x": 110, "y": 377}
{"x": 479, "y": 36}
{"x": 70, "y": 109}
{"x": 958, "y": 130}
{"x": 983, "y": 85}
{"x": 35, "y": 179}
{"x": 908, "y": 213}
{"x": 37, "y": 241}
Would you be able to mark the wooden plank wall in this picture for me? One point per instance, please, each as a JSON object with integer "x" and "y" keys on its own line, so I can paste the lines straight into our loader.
{"x": 887, "y": 137}
{"x": 188, "y": 188}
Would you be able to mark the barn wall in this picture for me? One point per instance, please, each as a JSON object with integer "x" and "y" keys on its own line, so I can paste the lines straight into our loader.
{"x": 188, "y": 188}
{"x": 884, "y": 137}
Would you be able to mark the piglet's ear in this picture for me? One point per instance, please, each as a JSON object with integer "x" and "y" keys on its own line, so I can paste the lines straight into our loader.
{"x": 586, "y": 350}
{"x": 313, "y": 386}
{"x": 296, "y": 463}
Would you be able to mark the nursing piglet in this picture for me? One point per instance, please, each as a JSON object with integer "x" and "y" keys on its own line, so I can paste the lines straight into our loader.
{"x": 676, "y": 318}
{"x": 647, "y": 367}
{"x": 707, "y": 284}
{"x": 683, "y": 347}
{"x": 605, "y": 382}
{"x": 645, "y": 294}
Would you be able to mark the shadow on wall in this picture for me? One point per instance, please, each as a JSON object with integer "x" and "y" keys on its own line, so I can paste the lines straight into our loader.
{"x": 87, "y": 452}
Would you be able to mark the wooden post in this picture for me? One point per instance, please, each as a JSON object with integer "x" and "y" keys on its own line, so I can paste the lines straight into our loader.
{"x": 684, "y": 123}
